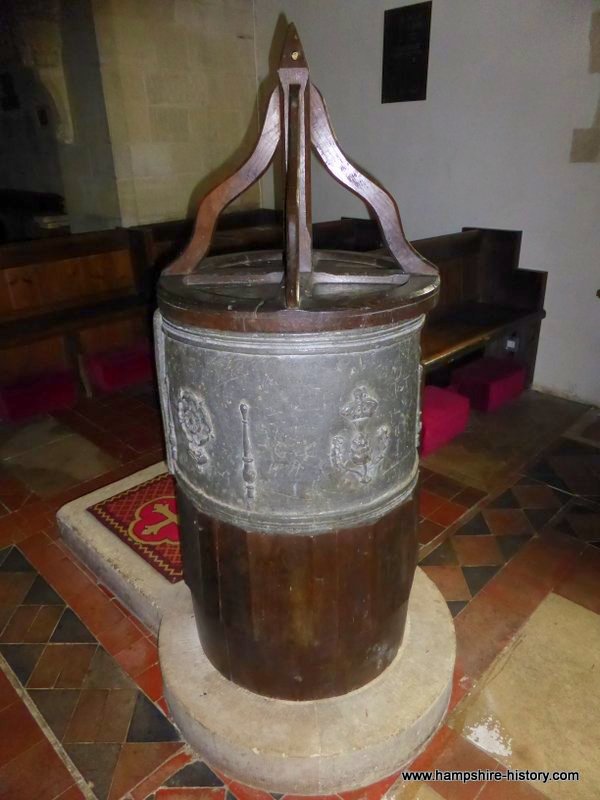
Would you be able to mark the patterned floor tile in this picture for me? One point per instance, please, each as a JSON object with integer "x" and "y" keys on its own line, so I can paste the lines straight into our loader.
{"x": 443, "y": 554}
{"x": 37, "y": 774}
{"x": 111, "y": 731}
{"x": 22, "y": 658}
{"x": 195, "y": 774}
{"x": 71, "y": 629}
{"x": 105, "y": 673}
{"x": 476, "y": 551}
{"x": 580, "y": 519}
{"x": 18, "y": 731}
{"x": 477, "y": 577}
{"x": 62, "y": 665}
{"x": 582, "y": 584}
{"x": 456, "y": 606}
{"x": 56, "y": 706}
{"x": 429, "y": 531}
{"x": 14, "y": 561}
{"x": 450, "y": 580}
{"x": 571, "y": 466}
{"x": 507, "y": 521}
{"x": 96, "y": 762}
{"x": 42, "y": 594}
{"x": 476, "y": 526}
{"x": 31, "y": 624}
{"x": 149, "y": 724}
{"x": 136, "y": 761}
{"x": 493, "y": 571}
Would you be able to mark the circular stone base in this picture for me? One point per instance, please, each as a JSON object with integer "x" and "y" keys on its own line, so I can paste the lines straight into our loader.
{"x": 321, "y": 746}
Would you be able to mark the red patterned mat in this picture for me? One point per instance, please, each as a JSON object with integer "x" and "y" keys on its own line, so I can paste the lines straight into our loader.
{"x": 145, "y": 518}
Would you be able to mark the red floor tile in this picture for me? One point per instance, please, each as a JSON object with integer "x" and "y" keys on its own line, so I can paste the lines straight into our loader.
{"x": 96, "y": 610}
{"x": 507, "y": 521}
{"x": 162, "y": 703}
{"x": 138, "y": 657}
{"x": 459, "y": 754}
{"x": 120, "y": 635}
{"x": 461, "y": 686}
{"x": 67, "y": 578}
{"x": 150, "y": 681}
{"x": 433, "y": 750}
{"x": 18, "y": 731}
{"x": 136, "y": 762}
{"x": 37, "y": 774}
{"x": 516, "y": 588}
{"x": 428, "y": 531}
{"x": 41, "y": 551}
{"x": 447, "y": 513}
{"x": 474, "y": 551}
{"x": 243, "y": 792}
{"x": 197, "y": 793}
{"x": 160, "y": 776}
{"x": 321, "y": 797}
{"x": 550, "y": 559}
{"x": 73, "y": 793}
{"x": 8, "y": 695}
{"x": 483, "y": 629}
{"x": 429, "y": 502}
{"x": 450, "y": 581}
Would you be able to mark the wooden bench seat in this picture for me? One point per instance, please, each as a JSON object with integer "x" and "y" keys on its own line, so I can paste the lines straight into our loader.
{"x": 484, "y": 298}
{"x": 467, "y": 329}
{"x": 67, "y": 297}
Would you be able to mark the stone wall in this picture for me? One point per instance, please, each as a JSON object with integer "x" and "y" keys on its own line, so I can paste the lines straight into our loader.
{"x": 28, "y": 150}
{"x": 57, "y": 140}
{"x": 179, "y": 80}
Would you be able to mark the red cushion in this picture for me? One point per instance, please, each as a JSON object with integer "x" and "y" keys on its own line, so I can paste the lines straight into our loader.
{"x": 119, "y": 368}
{"x": 445, "y": 415}
{"x": 489, "y": 383}
{"x": 39, "y": 395}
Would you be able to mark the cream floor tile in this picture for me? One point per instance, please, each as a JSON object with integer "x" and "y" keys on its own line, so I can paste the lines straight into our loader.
{"x": 538, "y": 706}
{"x": 59, "y": 465}
{"x": 40, "y": 432}
{"x": 496, "y": 445}
{"x": 412, "y": 792}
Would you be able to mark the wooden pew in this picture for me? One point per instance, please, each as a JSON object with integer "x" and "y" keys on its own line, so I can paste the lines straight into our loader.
{"x": 69, "y": 296}
{"x": 59, "y": 294}
{"x": 485, "y": 300}
{"x": 155, "y": 245}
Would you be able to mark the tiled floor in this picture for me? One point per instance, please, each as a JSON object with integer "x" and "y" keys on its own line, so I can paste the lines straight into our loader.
{"x": 517, "y": 557}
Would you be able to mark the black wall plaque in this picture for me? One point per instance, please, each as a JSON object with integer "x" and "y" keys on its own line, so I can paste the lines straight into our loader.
{"x": 405, "y": 53}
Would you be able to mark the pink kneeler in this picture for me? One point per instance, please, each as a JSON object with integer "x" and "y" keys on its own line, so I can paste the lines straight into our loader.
{"x": 445, "y": 415}
{"x": 41, "y": 394}
{"x": 489, "y": 383}
{"x": 119, "y": 368}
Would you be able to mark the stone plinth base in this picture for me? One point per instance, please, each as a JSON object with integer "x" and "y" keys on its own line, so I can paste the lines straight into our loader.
{"x": 317, "y": 747}
{"x": 322, "y": 746}
{"x": 136, "y": 583}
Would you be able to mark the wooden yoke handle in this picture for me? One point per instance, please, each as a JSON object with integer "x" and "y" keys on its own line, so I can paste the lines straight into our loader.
{"x": 215, "y": 201}
{"x": 296, "y": 116}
